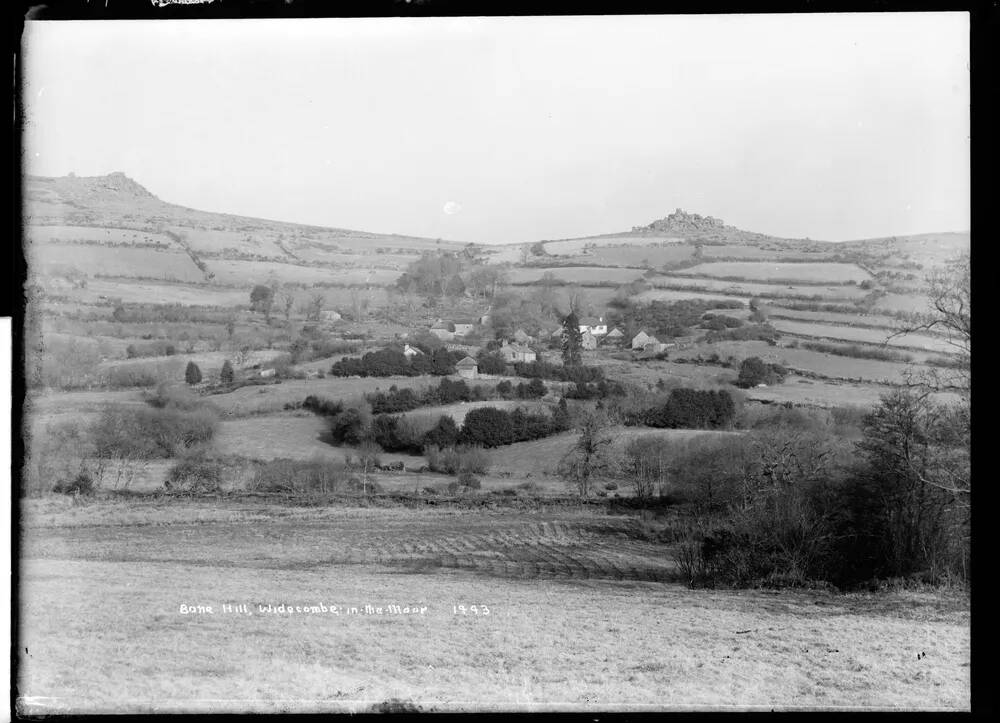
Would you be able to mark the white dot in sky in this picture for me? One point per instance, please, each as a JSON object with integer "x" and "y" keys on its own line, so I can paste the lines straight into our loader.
{"x": 451, "y": 208}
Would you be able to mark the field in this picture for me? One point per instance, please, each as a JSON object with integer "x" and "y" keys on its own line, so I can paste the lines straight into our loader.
{"x": 832, "y": 273}
{"x": 170, "y": 265}
{"x": 609, "y": 276}
{"x": 581, "y": 617}
{"x": 863, "y": 335}
{"x": 832, "y": 293}
{"x": 570, "y": 247}
{"x": 754, "y": 253}
{"x": 247, "y": 273}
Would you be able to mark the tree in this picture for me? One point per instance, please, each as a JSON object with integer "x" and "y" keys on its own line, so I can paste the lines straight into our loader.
{"x": 949, "y": 292}
{"x": 230, "y": 326}
{"x": 287, "y": 300}
{"x": 753, "y": 371}
{"x": 192, "y": 375}
{"x": 226, "y": 375}
{"x": 314, "y": 307}
{"x": 455, "y": 287}
{"x": 262, "y": 299}
{"x": 917, "y": 454}
{"x": 590, "y": 456}
{"x": 572, "y": 341}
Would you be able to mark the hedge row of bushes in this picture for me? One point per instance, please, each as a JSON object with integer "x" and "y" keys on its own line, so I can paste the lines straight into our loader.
{"x": 450, "y": 391}
{"x": 392, "y": 362}
{"x": 681, "y": 409}
{"x": 857, "y": 351}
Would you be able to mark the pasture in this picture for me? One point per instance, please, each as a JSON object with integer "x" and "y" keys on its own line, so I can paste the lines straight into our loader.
{"x": 570, "y": 247}
{"x": 776, "y": 272}
{"x": 582, "y": 616}
{"x": 600, "y": 275}
{"x": 248, "y": 273}
{"x": 778, "y": 290}
{"x": 755, "y": 253}
{"x": 167, "y": 264}
{"x": 861, "y": 334}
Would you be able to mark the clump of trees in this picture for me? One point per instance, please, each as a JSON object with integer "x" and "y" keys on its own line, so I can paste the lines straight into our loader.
{"x": 663, "y": 318}
{"x": 754, "y": 370}
{"x": 192, "y": 374}
{"x": 693, "y": 409}
{"x": 391, "y": 362}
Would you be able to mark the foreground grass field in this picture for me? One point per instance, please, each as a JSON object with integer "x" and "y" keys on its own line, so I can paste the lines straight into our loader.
{"x": 581, "y": 616}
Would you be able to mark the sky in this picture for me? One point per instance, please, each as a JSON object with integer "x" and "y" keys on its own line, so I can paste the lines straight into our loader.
{"x": 498, "y": 130}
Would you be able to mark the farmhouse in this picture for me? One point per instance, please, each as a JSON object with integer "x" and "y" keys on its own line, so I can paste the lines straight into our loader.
{"x": 595, "y": 326}
{"x": 468, "y": 368}
{"x": 411, "y": 351}
{"x": 516, "y": 353}
{"x": 640, "y": 340}
{"x": 464, "y": 327}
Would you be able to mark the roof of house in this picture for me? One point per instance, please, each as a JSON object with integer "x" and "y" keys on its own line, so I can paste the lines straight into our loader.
{"x": 465, "y": 322}
{"x": 517, "y": 348}
{"x": 467, "y": 362}
{"x": 591, "y": 321}
{"x": 444, "y": 324}
{"x": 616, "y": 332}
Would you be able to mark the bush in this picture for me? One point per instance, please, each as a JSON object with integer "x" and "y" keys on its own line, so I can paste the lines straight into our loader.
{"x": 443, "y": 435}
{"x": 859, "y": 352}
{"x": 694, "y": 409}
{"x": 82, "y": 484}
{"x": 192, "y": 375}
{"x": 173, "y": 396}
{"x": 316, "y": 476}
{"x": 492, "y": 427}
{"x": 144, "y": 433}
{"x": 754, "y": 371}
{"x": 456, "y": 460}
{"x": 195, "y": 474}
{"x": 467, "y": 479}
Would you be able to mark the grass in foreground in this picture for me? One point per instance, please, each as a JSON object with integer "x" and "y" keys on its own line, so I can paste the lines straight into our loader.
{"x": 102, "y": 631}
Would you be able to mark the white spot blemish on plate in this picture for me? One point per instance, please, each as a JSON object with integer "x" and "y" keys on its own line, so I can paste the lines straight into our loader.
{"x": 451, "y": 208}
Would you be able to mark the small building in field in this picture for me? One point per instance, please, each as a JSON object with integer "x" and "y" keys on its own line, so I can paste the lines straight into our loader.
{"x": 267, "y": 372}
{"x": 640, "y": 340}
{"x": 467, "y": 368}
{"x": 443, "y": 330}
{"x": 464, "y": 327}
{"x": 330, "y": 315}
{"x": 595, "y": 325}
{"x": 512, "y": 353}
{"x": 588, "y": 342}
{"x": 411, "y": 351}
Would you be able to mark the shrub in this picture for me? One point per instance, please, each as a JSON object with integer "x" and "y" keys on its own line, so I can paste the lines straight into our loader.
{"x": 192, "y": 375}
{"x": 226, "y": 375}
{"x": 173, "y": 396}
{"x": 82, "y": 484}
{"x": 456, "y": 460}
{"x": 195, "y": 474}
{"x": 443, "y": 435}
{"x": 322, "y": 406}
{"x": 467, "y": 479}
{"x": 316, "y": 476}
{"x": 859, "y": 352}
{"x": 694, "y": 409}
{"x": 754, "y": 371}
{"x": 145, "y": 433}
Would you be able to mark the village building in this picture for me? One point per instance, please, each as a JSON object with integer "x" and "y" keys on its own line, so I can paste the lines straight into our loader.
{"x": 464, "y": 327}
{"x": 467, "y": 368}
{"x": 595, "y": 326}
{"x": 640, "y": 340}
{"x": 615, "y": 334}
{"x": 522, "y": 337}
{"x": 410, "y": 351}
{"x": 511, "y": 353}
{"x": 330, "y": 315}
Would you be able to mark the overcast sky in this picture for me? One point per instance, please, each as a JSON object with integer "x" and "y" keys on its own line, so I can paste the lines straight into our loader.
{"x": 516, "y": 129}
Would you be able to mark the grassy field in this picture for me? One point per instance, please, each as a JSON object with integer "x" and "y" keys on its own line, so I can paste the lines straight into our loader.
{"x": 657, "y": 256}
{"x": 65, "y": 234}
{"x": 582, "y": 616}
{"x": 232, "y": 271}
{"x": 569, "y": 247}
{"x": 608, "y": 275}
{"x": 831, "y": 293}
{"x": 860, "y": 334}
{"x": 751, "y": 271}
{"x": 137, "y": 262}
{"x": 754, "y": 253}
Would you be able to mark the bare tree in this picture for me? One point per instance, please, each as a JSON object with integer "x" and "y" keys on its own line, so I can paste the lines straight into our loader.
{"x": 590, "y": 456}
{"x": 287, "y": 300}
{"x": 949, "y": 292}
{"x": 314, "y": 307}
